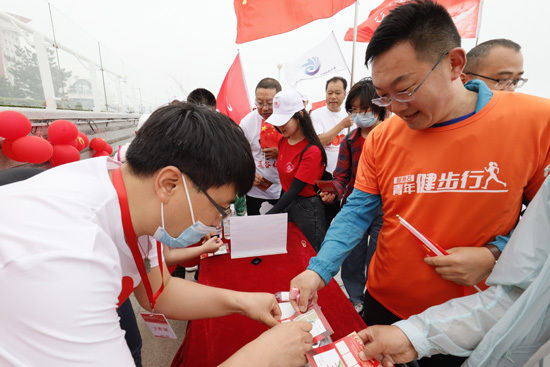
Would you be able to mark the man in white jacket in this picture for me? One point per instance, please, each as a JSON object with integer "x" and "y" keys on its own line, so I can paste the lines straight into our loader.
{"x": 503, "y": 326}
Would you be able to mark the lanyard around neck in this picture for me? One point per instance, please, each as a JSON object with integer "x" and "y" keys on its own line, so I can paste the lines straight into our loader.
{"x": 132, "y": 242}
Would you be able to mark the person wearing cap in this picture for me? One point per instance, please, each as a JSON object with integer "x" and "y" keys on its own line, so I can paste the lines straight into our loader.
{"x": 302, "y": 161}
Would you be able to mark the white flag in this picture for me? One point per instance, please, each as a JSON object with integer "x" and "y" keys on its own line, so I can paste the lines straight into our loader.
{"x": 324, "y": 59}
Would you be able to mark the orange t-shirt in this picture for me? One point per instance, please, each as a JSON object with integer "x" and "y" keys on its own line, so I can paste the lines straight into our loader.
{"x": 460, "y": 185}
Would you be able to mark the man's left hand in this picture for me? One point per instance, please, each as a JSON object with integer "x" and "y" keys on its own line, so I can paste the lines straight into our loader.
{"x": 262, "y": 307}
{"x": 464, "y": 265}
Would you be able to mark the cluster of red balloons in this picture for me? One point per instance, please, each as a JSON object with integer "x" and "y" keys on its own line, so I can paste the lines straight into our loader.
{"x": 18, "y": 145}
{"x": 101, "y": 147}
{"x": 64, "y": 142}
{"x": 67, "y": 142}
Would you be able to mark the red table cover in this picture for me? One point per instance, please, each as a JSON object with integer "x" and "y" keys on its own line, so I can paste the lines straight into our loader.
{"x": 209, "y": 342}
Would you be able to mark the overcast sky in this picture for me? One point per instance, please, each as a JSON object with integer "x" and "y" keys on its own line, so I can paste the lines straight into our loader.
{"x": 171, "y": 47}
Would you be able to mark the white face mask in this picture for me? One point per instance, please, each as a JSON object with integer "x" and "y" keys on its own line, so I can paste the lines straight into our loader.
{"x": 364, "y": 120}
{"x": 188, "y": 237}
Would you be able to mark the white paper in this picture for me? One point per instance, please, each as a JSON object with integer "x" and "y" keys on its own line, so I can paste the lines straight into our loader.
{"x": 258, "y": 235}
{"x": 329, "y": 358}
{"x": 286, "y": 310}
{"x": 317, "y": 325}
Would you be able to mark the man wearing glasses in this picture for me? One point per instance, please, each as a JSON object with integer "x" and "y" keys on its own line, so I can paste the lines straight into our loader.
{"x": 498, "y": 63}
{"x": 263, "y": 142}
{"x": 435, "y": 164}
{"x": 77, "y": 242}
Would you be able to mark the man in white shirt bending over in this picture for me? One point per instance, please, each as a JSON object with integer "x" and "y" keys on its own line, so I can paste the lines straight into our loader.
{"x": 266, "y": 182}
{"x": 331, "y": 122}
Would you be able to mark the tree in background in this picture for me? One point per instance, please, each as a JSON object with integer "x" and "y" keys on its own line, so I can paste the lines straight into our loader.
{"x": 26, "y": 76}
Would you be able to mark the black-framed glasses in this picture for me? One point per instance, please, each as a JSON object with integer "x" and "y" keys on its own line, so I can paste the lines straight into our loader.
{"x": 405, "y": 97}
{"x": 224, "y": 212}
{"x": 503, "y": 83}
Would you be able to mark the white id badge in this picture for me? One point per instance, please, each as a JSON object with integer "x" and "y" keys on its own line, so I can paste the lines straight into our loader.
{"x": 158, "y": 325}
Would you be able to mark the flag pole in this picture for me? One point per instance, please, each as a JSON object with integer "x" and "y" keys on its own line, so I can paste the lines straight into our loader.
{"x": 244, "y": 80}
{"x": 479, "y": 20}
{"x": 340, "y": 50}
{"x": 354, "y": 43}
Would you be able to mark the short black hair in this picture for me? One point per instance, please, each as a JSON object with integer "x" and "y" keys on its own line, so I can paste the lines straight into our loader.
{"x": 425, "y": 24}
{"x": 475, "y": 56}
{"x": 202, "y": 97}
{"x": 336, "y": 79}
{"x": 205, "y": 145}
{"x": 269, "y": 83}
{"x": 365, "y": 91}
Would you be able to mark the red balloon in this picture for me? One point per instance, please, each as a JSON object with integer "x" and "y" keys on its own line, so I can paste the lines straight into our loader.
{"x": 7, "y": 150}
{"x": 79, "y": 143}
{"x": 32, "y": 149}
{"x": 62, "y": 132}
{"x": 100, "y": 154}
{"x": 108, "y": 148}
{"x": 98, "y": 144}
{"x": 84, "y": 139}
{"x": 64, "y": 154}
{"x": 14, "y": 125}
{"x": 75, "y": 143}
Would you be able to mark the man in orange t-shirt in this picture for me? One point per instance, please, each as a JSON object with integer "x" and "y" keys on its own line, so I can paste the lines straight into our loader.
{"x": 455, "y": 162}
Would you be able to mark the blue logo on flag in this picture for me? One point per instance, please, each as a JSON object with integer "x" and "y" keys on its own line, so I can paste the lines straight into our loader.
{"x": 312, "y": 66}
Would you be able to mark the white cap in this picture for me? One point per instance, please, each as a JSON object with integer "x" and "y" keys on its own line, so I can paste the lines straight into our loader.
{"x": 285, "y": 104}
{"x": 142, "y": 119}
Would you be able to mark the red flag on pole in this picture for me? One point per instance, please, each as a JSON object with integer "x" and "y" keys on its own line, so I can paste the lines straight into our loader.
{"x": 464, "y": 13}
{"x": 263, "y": 18}
{"x": 233, "y": 98}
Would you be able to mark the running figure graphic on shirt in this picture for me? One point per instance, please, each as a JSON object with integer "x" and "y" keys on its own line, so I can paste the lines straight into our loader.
{"x": 493, "y": 170}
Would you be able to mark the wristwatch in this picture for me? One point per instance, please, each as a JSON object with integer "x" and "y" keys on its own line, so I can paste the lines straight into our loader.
{"x": 494, "y": 250}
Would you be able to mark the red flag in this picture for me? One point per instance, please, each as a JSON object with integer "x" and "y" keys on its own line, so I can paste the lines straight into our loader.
{"x": 316, "y": 105}
{"x": 263, "y": 18}
{"x": 269, "y": 136}
{"x": 232, "y": 98}
{"x": 464, "y": 14}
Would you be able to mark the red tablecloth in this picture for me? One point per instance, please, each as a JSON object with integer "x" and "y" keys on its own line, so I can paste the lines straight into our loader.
{"x": 209, "y": 342}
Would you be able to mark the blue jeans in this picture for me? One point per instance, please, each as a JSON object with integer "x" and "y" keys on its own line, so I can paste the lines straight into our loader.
{"x": 355, "y": 266}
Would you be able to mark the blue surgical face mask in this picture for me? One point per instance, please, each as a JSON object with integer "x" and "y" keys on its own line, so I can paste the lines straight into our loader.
{"x": 189, "y": 236}
{"x": 364, "y": 120}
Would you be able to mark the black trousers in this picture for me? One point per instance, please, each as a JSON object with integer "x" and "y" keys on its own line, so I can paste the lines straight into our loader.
{"x": 376, "y": 314}
{"x": 308, "y": 213}
{"x": 128, "y": 323}
{"x": 253, "y": 204}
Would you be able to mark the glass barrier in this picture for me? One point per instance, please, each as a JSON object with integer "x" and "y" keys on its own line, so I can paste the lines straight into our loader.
{"x": 20, "y": 81}
{"x": 49, "y": 61}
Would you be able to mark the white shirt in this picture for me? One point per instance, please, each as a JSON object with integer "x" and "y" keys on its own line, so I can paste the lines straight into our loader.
{"x": 324, "y": 120}
{"x": 62, "y": 260}
{"x": 507, "y": 323}
{"x": 251, "y": 125}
